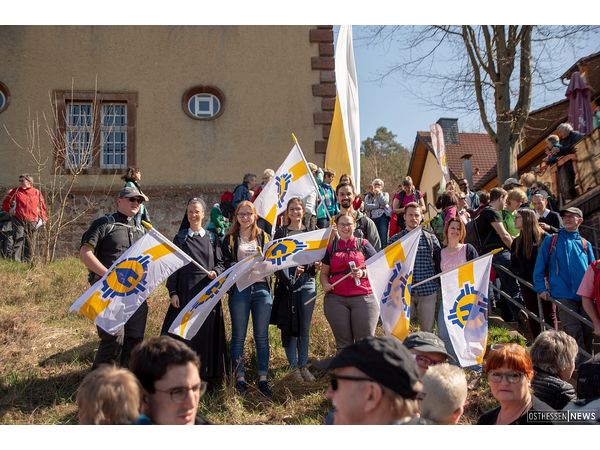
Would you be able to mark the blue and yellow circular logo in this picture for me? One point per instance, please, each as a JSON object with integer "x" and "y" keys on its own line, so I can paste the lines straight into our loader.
{"x": 459, "y": 313}
{"x": 213, "y": 289}
{"x": 278, "y": 252}
{"x": 128, "y": 277}
{"x": 283, "y": 183}
{"x": 398, "y": 289}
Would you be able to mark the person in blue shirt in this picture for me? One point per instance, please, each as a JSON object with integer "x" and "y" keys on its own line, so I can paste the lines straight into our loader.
{"x": 562, "y": 260}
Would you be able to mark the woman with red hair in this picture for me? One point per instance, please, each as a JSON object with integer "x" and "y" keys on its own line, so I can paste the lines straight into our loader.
{"x": 509, "y": 372}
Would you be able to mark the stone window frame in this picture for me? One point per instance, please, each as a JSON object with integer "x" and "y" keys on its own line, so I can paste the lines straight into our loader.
{"x": 211, "y": 90}
{"x": 62, "y": 98}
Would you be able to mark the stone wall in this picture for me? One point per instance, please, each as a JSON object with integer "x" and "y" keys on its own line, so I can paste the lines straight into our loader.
{"x": 166, "y": 208}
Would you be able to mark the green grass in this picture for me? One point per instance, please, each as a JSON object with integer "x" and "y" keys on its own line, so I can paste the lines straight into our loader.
{"x": 45, "y": 352}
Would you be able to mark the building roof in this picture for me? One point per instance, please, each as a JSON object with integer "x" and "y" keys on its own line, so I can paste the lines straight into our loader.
{"x": 479, "y": 145}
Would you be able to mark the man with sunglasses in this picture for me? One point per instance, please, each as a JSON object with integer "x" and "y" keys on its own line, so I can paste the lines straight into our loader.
{"x": 427, "y": 350}
{"x": 374, "y": 381}
{"x": 102, "y": 244}
{"x": 169, "y": 372}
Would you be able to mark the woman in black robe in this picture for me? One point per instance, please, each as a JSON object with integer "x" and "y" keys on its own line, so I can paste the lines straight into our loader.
{"x": 204, "y": 247}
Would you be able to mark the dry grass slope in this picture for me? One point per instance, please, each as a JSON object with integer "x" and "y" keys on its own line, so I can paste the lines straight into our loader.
{"x": 45, "y": 352}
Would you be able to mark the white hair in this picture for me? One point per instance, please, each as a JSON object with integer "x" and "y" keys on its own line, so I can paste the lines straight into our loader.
{"x": 565, "y": 128}
{"x": 553, "y": 351}
{"x": 445, "y": 389}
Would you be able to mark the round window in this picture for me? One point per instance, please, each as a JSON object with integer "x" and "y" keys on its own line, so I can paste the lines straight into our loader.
{"x": 4, "y": 97}
{"x": 203, "y": 102}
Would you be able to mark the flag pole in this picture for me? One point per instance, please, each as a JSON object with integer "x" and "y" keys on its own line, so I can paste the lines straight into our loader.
{"x": 332, "y": 285}
{"x": 295, "y": 139}
{"x": 149, "y": 226}
{"x": 493, "y": 252}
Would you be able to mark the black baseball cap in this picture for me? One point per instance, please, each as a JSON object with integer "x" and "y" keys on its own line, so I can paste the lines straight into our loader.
{"x": 382, "y": 358}
{"x": 426, "y": 342}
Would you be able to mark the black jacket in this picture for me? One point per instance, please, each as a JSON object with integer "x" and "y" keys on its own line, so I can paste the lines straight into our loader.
{"x": 552, "y": 390}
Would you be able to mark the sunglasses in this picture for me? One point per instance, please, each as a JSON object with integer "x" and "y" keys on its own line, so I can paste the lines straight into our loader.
{"x": 179, "y": 394}
{"x": 136, "y": 200}
{"x": 333, "y": 380}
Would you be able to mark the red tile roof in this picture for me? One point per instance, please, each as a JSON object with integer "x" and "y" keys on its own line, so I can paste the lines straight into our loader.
{"x": 479, "y": 145}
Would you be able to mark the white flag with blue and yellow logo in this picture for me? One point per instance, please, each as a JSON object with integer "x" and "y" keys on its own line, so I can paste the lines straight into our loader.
{"x": 390, "y": 273}
{"x": 296, "y": 250}
{"x": 113, "y": 299}
{"x": 292, "y": 179}
{"x": 465, "y": 303}
{"x": 193, "y": 315}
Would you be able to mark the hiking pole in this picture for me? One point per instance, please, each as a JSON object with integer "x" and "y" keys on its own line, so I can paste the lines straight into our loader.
{"x": 333, "y": 284}
{"x": 149, "y": 226}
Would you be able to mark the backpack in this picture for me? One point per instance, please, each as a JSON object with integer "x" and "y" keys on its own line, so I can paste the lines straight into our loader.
{"x": 226, "y": 203}
{"x": 472, "y": 235}
{"x": 437, "y": 226}
{"x": 584, "y": 243}
{"x": 588, "y": 380}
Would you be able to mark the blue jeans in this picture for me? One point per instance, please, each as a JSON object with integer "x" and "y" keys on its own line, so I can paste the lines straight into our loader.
{"x": 382, "y": 223}
{"x": 256, "y": 299}
{"x": 297, "y": 350}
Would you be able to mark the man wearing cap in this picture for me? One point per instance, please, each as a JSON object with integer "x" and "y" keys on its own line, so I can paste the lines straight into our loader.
{"x": 27, "y": 210}
{"x": 427, "y": 349}
{"x": 102, "y": 244}
{"x": 374, "y": 381}
{"x": 549, "y": 220}
{"x": 563, "y": 259}
{"x": 510, "y": 184}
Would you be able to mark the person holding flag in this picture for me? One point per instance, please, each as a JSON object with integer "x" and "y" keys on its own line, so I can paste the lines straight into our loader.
{"x": 350, "y": 306}
{"x": 292, "y": 179}
{"x": 427, "y": 264}
{"x": 454, "y": 254}
{"x": 106, "y": 239}
{"x": 295, "y": 285}
{"x": 203, "y": 247}
{"x": 244, "y": 239}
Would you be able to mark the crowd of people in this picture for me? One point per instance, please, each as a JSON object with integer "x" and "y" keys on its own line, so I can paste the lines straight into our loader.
{"x": 376, "y": 380}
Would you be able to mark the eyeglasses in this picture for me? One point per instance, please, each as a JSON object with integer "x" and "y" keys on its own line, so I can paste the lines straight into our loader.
{"x": 333, "y": 381}
{"x": 179, "y": 394}
{"x": 244, "y": 216}
{"x": 136, "y": 200}
{"x": 511, "y": 377}
{"x": 425, "y": 361}
{"x": 345, "y": 225}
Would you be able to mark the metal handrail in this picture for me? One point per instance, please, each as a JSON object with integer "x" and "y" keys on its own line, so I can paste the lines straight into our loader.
{"x": 540, "y": 317}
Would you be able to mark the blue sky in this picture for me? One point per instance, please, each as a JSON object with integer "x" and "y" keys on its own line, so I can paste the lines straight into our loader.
{"x": 390, "y": 102}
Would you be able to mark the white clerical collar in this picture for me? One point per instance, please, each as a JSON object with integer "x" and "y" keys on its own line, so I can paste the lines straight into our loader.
{"x": 201, "y": 232}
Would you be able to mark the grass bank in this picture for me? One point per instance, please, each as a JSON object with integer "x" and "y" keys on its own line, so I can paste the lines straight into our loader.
{"x": 45, "y": 352}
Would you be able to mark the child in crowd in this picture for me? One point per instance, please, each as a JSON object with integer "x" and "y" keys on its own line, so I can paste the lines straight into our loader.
{"x": 109, "y": 396}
